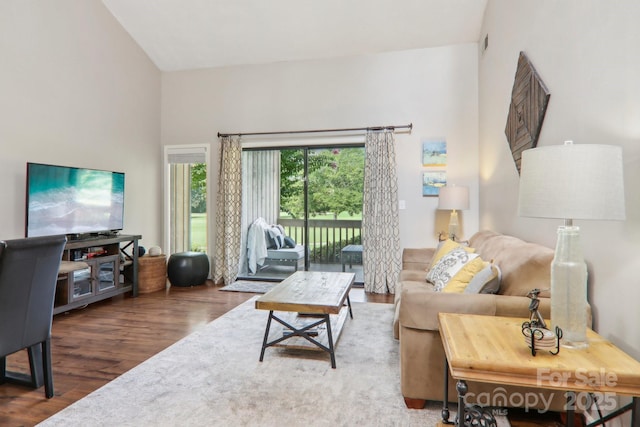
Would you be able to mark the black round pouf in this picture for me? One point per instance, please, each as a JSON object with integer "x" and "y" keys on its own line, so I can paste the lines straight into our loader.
{"x": 188, "y": 268}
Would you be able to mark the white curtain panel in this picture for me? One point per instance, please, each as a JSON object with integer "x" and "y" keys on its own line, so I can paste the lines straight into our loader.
{"x": 228, "y": 211}
{"x": 380, "y": 234}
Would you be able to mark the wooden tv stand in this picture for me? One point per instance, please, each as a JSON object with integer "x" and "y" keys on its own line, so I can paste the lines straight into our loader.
{"x": 106, "y": 266}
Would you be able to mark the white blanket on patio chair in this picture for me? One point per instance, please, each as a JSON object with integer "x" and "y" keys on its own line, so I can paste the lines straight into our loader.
{"x": 256, "y": 244}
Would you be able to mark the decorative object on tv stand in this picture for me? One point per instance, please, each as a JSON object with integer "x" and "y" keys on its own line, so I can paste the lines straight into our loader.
{"x": 454, "y": 198}
{"x": 155, "y": 251}
{"x": 571, "y": 181}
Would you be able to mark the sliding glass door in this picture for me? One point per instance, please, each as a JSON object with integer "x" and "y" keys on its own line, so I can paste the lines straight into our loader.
{"x": 313, "y": 197}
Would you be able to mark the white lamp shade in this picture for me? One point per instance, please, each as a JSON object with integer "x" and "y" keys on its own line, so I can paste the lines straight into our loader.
{"x": 453, "y": 197}
{"x": 572, "y": 181}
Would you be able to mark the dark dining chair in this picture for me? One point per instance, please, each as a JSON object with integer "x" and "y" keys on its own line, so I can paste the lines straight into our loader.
{"x": 28, "y": 276}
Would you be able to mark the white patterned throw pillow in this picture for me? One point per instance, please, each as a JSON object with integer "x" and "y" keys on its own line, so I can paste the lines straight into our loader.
{"x": 448, "y": 266}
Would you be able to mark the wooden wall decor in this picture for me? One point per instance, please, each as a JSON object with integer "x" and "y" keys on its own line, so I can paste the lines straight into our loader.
{"x": 529, "y": 99}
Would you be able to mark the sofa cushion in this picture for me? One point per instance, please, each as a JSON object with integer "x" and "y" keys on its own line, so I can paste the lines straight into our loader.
{"x": 289, "y": 242}
{"x": 444, "y": 248}
{"x": 449, "y": 265}
{"x": 461, "y": 280}
{"x": 524, "y": 265}
{"x": 420, "y": 305}
{"x": 275, "y": 237}
{"x": 486, "y": 281}
{"x": 417, "y": 258}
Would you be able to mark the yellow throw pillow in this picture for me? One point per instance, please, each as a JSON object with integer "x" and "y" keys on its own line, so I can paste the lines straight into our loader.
{"x": 449, "y": 266}
{"x": 446, "y": 247}
{"x": 460, "y": 281}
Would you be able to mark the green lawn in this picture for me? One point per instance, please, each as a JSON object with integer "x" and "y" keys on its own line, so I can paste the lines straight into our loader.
{"x": 343, "y": 215}
{"x": 199, "y": 232}
{"x": 324, "y": 243}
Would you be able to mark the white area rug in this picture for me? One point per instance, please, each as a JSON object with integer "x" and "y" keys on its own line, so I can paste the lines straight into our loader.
{"x": 213, "y": 378}
{"x": 249, "y": 286}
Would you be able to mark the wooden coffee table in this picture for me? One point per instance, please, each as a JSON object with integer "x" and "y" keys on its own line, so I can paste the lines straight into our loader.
{"x": 492, "y": 349}
{"x": 311, "y": 307}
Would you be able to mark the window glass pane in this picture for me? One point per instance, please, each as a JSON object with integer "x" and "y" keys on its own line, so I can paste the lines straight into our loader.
{"x": 315, "y": 194}
{"x": 188, "y": 207}
{"x": 198, "y": 207}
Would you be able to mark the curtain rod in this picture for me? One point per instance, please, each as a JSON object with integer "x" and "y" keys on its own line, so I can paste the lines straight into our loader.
{"x": 375, "y": 128}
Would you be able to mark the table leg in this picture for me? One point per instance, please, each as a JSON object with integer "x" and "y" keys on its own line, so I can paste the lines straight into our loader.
{"x": 266, "y": 336}
{"x": 571, "y": 398}
{"x": 462, "y": 388}
{"x": 300, "y": 332}
{"x": 634, "y": 407}
{"x": 342, "y": 260}
{"x": 445, "y": 399}
{"x": 349, "y": 305}
{"x": 330, "y": 338}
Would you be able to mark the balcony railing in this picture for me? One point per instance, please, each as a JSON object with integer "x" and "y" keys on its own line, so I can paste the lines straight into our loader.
{"x": 327, "y": 237}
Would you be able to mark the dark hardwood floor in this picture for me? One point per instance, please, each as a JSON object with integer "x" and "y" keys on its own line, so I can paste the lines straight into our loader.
{"x": 94, "y": 345}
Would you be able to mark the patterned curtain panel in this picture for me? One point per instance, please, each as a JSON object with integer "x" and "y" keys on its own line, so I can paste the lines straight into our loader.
{"x": 380, "y": 235}
{"x": 228, "y": 211}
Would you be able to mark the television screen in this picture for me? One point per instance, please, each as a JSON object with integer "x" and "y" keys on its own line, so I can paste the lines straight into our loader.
{"x": 70, "y": 200}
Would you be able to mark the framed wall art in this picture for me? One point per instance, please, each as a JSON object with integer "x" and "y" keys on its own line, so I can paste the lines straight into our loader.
{"x": 432, "y": 181}
{"x": 434, "y": 152}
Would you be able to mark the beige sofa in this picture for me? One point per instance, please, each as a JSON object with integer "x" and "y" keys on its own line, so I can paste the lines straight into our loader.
{"x": 524, "y": 266}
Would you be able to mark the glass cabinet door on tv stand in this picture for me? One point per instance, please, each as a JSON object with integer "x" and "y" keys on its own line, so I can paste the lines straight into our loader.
{"x": 79, "y": 287}
{"x": 108, "y": 266}
{"x": 107, "y": 273}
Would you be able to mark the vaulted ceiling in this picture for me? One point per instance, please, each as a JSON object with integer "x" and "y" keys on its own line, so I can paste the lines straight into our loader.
{"x": 191, "y": 34}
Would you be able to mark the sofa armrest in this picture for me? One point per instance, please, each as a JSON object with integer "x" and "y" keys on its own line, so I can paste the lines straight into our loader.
{"x": 417, "y": 258}
{"x": 420, "y": 306}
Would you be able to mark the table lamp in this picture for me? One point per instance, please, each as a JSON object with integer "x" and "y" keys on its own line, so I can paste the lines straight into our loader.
{"x": 571, "y": 181}
{"x": 453, "y": 198}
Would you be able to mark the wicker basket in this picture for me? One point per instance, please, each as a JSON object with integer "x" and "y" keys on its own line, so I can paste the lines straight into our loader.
{"x": 152, "y": 273}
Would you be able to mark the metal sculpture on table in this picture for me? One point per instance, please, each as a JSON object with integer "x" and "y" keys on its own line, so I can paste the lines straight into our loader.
{"x": 535, "y": 330}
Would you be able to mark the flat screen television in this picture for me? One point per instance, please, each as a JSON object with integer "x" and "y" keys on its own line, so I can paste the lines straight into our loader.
{"x": 73, "y": 201}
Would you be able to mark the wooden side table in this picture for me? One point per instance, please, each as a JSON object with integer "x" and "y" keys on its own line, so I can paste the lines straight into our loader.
{"x": 152, "y": 273}
{"x": 492, "y": 349}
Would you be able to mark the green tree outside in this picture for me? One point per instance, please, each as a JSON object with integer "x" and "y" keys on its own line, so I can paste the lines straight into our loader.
{"x": 198, "y": 207}
{"x": 336, "y": 177}
{"x": 198, "y": 188}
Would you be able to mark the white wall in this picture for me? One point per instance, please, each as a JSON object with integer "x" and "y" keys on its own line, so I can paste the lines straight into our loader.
{"x": 76, "y": 90}
{"x": 435, "y": 89}
{"x": 587, "y": 54}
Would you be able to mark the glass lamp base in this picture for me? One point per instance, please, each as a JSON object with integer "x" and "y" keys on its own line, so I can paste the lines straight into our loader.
{"x": 577, "y": 344}
{"x": 453, "y": 225}
{"x": 569, "y": 289}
